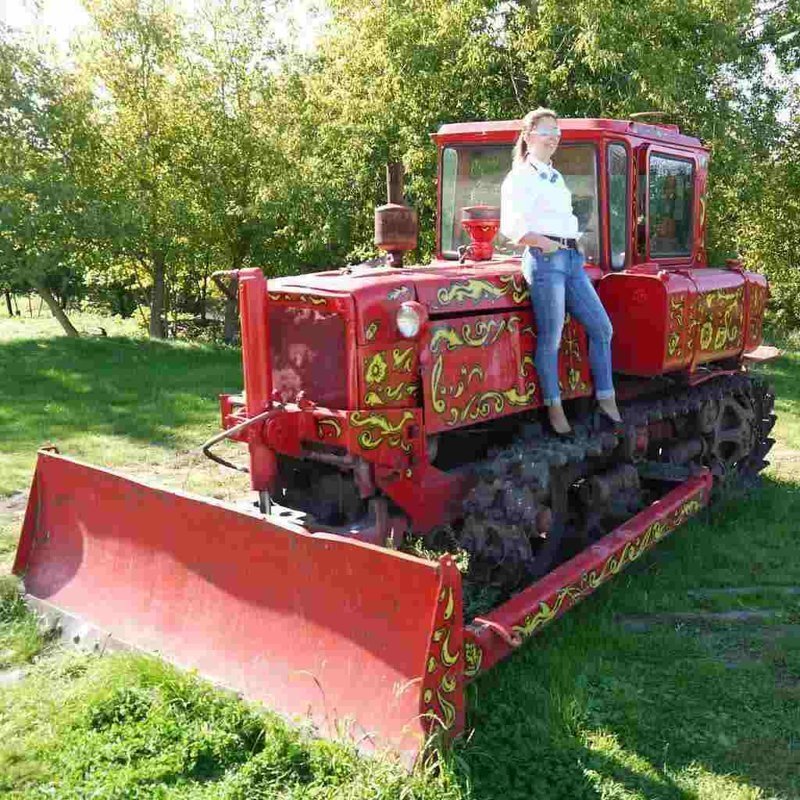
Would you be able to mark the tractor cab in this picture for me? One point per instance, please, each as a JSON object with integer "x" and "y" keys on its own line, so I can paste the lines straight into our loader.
{"x": 638, "y": 190}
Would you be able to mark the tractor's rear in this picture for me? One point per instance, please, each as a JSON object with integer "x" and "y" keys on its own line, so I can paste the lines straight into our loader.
{"x": 415, "y": 523}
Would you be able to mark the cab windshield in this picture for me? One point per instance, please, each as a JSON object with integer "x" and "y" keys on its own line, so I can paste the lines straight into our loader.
{"x": 472, "y": 175}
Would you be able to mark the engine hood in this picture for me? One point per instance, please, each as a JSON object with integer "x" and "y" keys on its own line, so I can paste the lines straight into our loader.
{"x": 445, "y": 288}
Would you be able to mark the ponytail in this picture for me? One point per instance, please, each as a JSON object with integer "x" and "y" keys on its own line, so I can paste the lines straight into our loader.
{"x": 520, "y": 149}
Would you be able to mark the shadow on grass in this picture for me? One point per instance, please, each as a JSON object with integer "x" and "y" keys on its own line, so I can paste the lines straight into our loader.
{"x": 593, "y": 708}
{"x": 147, "y": 391}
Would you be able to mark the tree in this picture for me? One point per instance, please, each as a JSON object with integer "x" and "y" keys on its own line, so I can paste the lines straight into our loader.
{"x": 228, "y": 153}
{"x": 386, "y": 75}
{"x": 131, "y": 64}
{"x": 391, "y": 71}
{"x": 212, "y": 146}
{"x": 768, "y": 228}
{"x": 48, "y": 144}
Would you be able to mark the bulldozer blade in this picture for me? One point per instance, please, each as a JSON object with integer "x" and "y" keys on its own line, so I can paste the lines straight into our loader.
{"x": 364, "y": 640}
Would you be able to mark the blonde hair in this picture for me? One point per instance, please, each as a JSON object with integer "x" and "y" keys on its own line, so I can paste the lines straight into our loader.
{"x": 528, "y": 124}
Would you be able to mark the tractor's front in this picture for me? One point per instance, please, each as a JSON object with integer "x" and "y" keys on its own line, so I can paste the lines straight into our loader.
{"x": 373, "y": 378}
{"x": 392, "y": 413}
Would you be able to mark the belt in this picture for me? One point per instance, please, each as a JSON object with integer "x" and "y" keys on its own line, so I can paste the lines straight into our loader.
{"x": 572, "y": 244}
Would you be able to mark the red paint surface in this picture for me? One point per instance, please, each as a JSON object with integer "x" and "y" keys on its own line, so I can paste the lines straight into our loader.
{"x": 648, "y": 306}
{"x": 508, "y": 130}
{"x": 309, "y": 624}
{"x": 255, "y": 366}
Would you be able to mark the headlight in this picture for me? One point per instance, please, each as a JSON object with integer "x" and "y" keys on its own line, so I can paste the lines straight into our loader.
{"x": 410, "y": 317}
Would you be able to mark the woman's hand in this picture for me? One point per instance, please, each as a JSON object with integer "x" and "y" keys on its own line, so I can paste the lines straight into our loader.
{"x": 550, "y": 246}
{"x": 544, "y": 243}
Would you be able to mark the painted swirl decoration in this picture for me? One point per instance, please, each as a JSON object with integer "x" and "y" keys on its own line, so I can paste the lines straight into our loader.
{"x": 380, "y": 430}
{"x": 440, "y": 697}
{"x": 571, "y": 594}
{"x": 719, "y": 318}
{"x": 477, "y": 290}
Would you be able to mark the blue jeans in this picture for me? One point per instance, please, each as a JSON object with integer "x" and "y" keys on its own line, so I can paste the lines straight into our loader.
{"x": 559, "y": 283}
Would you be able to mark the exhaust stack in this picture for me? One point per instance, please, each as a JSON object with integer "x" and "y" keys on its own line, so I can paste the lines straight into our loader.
{"x": 396, "y": 227}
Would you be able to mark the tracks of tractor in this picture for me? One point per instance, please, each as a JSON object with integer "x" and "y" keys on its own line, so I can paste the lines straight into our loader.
{"x": 542, "y": 498}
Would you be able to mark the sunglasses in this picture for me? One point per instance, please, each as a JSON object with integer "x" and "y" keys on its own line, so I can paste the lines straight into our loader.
{"x": 547, "y": 132}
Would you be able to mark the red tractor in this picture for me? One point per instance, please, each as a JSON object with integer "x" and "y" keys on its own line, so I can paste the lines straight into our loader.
{"x": 416, "y": 523}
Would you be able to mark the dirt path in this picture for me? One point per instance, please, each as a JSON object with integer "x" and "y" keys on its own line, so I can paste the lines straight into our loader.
{"x": 13, "y": 504}
{"x": 783, "y": 457}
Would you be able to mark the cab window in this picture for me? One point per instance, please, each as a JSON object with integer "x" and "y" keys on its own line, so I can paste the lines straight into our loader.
{"x": 670, "y": 192}
{"x": 618, "y": 204}
{"x": 473, "y": 174}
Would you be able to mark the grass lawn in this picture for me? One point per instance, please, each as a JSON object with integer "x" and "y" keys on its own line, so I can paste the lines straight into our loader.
{"x": 116, "y": 401}
{"x": 649, "y": 689}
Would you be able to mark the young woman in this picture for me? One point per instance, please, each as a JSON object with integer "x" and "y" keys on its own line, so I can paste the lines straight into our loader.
{"x": 536, "y": 210}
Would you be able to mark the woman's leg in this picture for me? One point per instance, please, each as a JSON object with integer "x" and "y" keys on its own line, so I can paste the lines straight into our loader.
{"x": 583, "y": 303}
{"x": 548, "y": 297}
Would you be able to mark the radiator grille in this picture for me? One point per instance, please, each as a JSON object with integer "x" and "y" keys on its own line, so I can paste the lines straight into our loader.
{"x": 307, "y": 350}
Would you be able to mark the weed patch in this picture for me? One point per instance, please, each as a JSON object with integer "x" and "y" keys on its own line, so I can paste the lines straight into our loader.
{"x": 20, "y": 636}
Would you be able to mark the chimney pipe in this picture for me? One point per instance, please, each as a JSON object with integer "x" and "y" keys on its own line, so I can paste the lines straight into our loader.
{"x": 396, "y": 227}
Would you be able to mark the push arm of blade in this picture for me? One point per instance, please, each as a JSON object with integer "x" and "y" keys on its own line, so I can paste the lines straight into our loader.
{"x": 512, "y": 639}
{"x": 228, "y": 432}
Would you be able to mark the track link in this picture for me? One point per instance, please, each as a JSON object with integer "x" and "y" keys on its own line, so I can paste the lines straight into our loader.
{"x": 540, "y": 499}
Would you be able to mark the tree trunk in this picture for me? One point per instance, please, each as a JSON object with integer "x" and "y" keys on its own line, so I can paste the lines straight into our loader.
{"x": 8, "y": 303}
{"x": 204, "y": 290}
{"x": 55, "y": 309}
{"x": 157, "y": 300}
{"x": 230, "y": 325}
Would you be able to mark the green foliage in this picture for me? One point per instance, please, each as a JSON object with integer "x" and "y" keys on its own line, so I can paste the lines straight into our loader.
{"x": 134, "y": 58}
{"x": 388, "y": 73}
{"x": 20, "y": 636}
{"x": 773, "y": 247}
{"x": 47, "y": 148}
{"x": 205, "y": 142}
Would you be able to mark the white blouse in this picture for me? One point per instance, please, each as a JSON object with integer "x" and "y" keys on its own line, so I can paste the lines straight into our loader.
{"x": 535, "y": 199}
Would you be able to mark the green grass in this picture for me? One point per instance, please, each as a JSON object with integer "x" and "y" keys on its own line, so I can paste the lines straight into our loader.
{"x": 113, "y": 401}
{"x": 132, "y": 727}
{"x": 628, "y": 697}
{"x": 20, "y": 636}
{"x": 784, "y": 375}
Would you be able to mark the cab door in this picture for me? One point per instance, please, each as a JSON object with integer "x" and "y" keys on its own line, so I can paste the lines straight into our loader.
{"x": 670, "y": 184}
